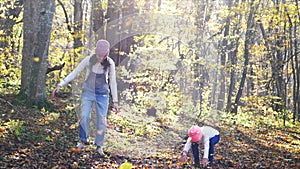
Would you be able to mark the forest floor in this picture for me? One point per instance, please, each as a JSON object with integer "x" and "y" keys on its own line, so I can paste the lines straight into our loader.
{"x": 31, "y": 138}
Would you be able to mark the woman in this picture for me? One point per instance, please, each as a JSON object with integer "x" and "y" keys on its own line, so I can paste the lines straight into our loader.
{"x": 95, "y": 91}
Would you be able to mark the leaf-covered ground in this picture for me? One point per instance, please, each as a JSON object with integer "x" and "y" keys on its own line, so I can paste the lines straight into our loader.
{"x": 31, "y": 138}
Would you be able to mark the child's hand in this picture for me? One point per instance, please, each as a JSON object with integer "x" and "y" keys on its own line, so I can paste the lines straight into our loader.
{"x": 204, "y": 161}
{"x": 183, "y": 157}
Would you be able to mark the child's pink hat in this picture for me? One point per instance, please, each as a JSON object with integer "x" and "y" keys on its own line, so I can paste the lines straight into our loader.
{"x": 102, "y": 48}
{"x": 195, "y": 133}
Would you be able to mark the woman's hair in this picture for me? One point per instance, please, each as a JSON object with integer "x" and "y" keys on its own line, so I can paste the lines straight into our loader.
{"x": 105, "y": 63}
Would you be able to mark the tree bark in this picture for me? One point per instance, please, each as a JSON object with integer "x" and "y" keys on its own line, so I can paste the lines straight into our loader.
{"x": 113, "y": 27}
{"x": 78, "y": 19}
{"x": 248, "y": 34}
{"x": 222, "y": 79}
{"x": 233, "y": 62}
{"x": 98, "y": 19}
{"x": 38, "y": 17}
{"x": 296, "y": 71}
{"x": 224, "y": 49}
{"x": 198, "y": 78}
{"x": 279, "y": 61}
{"x": 126, "y": 42}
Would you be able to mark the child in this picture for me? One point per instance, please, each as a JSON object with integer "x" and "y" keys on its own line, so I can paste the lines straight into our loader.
{"x": 210, "y": 136}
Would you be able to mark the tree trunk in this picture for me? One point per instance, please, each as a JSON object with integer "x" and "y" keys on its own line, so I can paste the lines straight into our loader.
{"x": 279, "y": 61}
{"x": 297, "y": 87}
{"x": 197, "y": 67}
{"x": 98, "y": 19}
{"x": 222, "y": 78}
{"x": 126, "y": 42}
{"x": 38, "y": 17}
{"x": 296, "y": 71}
{"x": 233, "y": 62}
{"x": 78, "y": 19}
{"x": 249, "y": 27}
{"x": 224, "y": 49}
{"x": 113, "y": 27}
{"x": 233, "y": 50}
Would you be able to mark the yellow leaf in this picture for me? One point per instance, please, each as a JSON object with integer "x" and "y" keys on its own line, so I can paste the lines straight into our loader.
{"x": 36, "y": 59}
{"x": 126, "y": 165}
{"x": 218, "y": 157}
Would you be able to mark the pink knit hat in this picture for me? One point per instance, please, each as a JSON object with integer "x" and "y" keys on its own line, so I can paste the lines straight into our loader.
{"x": 195, "y": 133}
{"x": 102, "y": 48}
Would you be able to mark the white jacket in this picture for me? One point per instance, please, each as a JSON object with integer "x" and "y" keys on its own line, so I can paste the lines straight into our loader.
{"x": 208, "y": 133}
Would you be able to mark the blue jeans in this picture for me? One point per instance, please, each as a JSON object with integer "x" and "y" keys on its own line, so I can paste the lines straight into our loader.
{"x": 195, "y": 149}
{"x": 212, "y": 141}
{"x": 101, "y": 103}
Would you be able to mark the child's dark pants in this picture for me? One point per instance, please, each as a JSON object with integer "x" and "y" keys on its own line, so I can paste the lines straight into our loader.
{"x": 195, "y": 148}
{"x": 214, "y": 140}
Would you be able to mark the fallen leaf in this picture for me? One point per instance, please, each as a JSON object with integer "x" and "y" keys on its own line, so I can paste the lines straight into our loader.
{"x": 126, "y": 165}
{"x": 75, "y": 150}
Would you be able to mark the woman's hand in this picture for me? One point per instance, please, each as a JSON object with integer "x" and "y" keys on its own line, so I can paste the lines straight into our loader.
{"x": 56, "y": 90}
{"x": 116, "y": 107}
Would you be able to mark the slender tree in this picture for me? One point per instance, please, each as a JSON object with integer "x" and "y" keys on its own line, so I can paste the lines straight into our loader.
{"x": 248, "y": 36}
{"x": 294, "y": 75}
{"x": 113, "y": 27}
{"x": 98, "y": 19}
{"x": 128, "y": 11}
{"x": 232, "y": 52}
{"x": 223, "y": 55}
{"x": 198, "y": 68}
{"x": 297, "y": 68}
{"x": 78, "y": 19}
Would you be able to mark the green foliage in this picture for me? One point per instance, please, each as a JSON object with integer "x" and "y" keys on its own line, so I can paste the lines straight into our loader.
{"x": 150, "y": 77}
{"x": 10, "y": 72}
{"x": 264, "y": 106}
{"x": 150, "y": 89}
{"x": 48, "y": 138}
{"x": 16, "y": 127}
{"x": 11, "y": 43}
